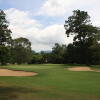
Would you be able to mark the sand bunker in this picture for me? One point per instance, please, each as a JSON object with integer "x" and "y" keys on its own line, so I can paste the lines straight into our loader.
{"x": 6, "y": 72}
{"x": 81, "y": 69}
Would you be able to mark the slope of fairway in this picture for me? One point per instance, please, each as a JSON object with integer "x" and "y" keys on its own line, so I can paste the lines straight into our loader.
{"x": 52, "y": 83}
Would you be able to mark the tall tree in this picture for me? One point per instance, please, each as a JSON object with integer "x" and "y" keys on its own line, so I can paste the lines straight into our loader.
{"x": 58, "y": 53}
{"x": 5, "y": 38}
{"x": 21, "y": 50}
{"x": 5, "y": 32}
{"x": 84, "y": 32}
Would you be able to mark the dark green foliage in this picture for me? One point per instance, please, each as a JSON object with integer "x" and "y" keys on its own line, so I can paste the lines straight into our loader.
{"x": 84, "y": 33}
{"x": 95, "y": 48}
{"x": 41, "y": 58}
{"x": 5, "y": 37}
{"x": 19, "y": 55}
{"x": 23, "y": 42}
{"x": 36, "y": 59}
{"x": 21, "y": 50}
{"x": 47, "y": 57}
{"x": 79, "y": 25}
{"x": 58, "y": 52}
{"x": 71, "y": 55}
{"x": 4, "y": 55}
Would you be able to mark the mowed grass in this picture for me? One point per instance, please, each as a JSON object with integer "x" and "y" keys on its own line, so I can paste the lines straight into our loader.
{"x": 52, "y": 83}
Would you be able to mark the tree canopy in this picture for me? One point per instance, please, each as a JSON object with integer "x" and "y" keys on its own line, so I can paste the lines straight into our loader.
{"x": 84, "y": 32}
{"x": 5, "y": 38}
{"x": 5, "y": 32}
{"x": 21, "y": 50}
{"x": 79, "y": 24}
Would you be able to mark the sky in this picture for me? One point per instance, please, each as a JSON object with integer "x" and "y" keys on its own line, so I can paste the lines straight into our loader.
{"x": 42, "y": 21}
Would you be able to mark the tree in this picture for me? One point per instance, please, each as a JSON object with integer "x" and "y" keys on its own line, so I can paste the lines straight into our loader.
{"x": 58, "y": 53}
{"x": 95, "y": 47}
{"x": 84, "y": 32}
{"x": 21, "y": 50}
{"x": 23, "y": 42}
{"x": 5, "y": 38}
{"x": 36, "y": 59}
{"x": 95, "y": 53}
{"x": 71, "y": 54}
{"x": 4, "y": 55}
{"x": 47, "y": 57}
{"x": 5, "y": 32}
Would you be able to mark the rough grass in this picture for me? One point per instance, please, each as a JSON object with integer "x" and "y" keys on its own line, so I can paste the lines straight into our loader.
{"x": 95, "y": 67}
{"x": 52, "y": 83}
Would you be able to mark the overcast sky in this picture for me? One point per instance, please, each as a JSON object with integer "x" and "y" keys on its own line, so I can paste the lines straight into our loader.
{"x": 42, "y": 21}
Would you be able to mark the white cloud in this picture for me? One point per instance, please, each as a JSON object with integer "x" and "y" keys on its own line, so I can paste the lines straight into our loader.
{"x": 22, "y": 25}
{"x": 55, "y": 7}
{"x": 95, "y": 15}
{"x": 20, "y": 22}
{"x": 64, "y": 7}
{"x": 42, "y": 39}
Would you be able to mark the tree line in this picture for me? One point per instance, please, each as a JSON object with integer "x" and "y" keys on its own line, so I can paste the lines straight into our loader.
{"x": 85, "y": 48}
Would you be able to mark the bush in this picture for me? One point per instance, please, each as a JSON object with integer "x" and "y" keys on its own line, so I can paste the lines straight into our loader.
{"x": 4, "y": 55}
{"x": 36, "y": 59}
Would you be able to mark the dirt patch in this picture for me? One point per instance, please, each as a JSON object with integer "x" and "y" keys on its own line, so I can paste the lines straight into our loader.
{"x": 81, "y": 69}
{"x": 6, "y": 72}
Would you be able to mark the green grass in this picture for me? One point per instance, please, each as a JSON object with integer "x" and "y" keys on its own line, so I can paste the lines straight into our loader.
{"x": 95, "y": 67}
{"x": 52, "y": 83}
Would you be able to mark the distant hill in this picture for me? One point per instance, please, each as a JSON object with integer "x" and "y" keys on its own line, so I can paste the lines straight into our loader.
{"x": 47, "y": 51}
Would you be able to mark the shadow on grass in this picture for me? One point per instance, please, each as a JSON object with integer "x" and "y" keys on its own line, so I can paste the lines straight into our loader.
{"x": 12, "y": 93}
